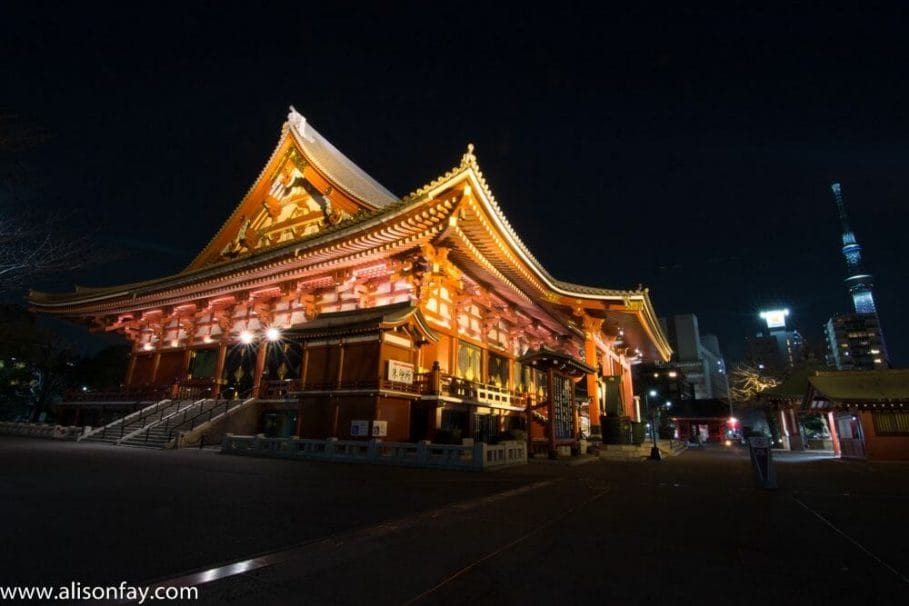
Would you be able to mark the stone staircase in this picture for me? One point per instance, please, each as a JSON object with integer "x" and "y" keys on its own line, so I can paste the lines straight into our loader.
{"x": 161, "y": 432}
{"x": 116, "y": 432}
{"x": 210, "y": 426}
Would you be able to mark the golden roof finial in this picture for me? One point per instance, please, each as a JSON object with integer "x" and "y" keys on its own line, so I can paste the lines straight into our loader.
{"x": 469, "y": 159}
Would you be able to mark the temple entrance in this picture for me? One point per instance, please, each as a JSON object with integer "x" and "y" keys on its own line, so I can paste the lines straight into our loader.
{"x": 239, "y": 368}
{"x": 420, "y": 416}
{"x": 282, "y": 361}
{"x": 454, "y": 426}
{"x": 486, "y": 427}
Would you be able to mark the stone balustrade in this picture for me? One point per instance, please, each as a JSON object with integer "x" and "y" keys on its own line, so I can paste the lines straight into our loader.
{"x": 40, "y": 430}
{"x": 478, "y": 457}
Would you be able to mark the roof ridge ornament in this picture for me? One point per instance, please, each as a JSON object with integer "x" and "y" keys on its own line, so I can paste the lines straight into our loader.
{"x": 469, "y": 159}
{"x": 298, "y": 121}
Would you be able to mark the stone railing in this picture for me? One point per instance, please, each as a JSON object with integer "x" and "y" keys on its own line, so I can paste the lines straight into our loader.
{"x": 149, "y": 393}
{"x": 478, "y": 457}
{"x": 426, "y": 383}
{"x": 40, "y": 430}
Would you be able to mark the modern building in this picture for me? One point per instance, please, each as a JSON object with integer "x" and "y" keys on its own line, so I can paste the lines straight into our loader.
{"x": 776, "y": 348}
{"x": 326, "y": 306}
{"x": 855, "y": 340}
{"x": 668, "y": 380}
{"x": 697, "y": 356}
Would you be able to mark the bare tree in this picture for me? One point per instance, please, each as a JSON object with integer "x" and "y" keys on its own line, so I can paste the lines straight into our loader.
{"x": 747, "y": 381}
{"x": 32, "y": 244}
{"x": 31, "y": 248}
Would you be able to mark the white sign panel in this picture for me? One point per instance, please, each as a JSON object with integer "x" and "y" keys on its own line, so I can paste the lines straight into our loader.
{"x": 400, "y": 372}
{"x": 379, "y": 429}
{"x": 359, "y": 428}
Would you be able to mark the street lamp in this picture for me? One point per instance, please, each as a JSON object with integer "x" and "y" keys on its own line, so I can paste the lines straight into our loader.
{"x": 655, "y": 450}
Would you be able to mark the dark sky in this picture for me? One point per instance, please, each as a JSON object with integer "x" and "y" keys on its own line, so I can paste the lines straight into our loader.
{"x": 688, "y": 150}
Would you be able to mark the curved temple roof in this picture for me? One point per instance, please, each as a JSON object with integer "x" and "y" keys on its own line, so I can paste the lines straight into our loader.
{"x": 381, "y": 209}
{"x": 336, "y": 166}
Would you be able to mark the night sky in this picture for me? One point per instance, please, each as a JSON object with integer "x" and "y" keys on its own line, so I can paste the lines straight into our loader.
{"x": 688, "y": 151}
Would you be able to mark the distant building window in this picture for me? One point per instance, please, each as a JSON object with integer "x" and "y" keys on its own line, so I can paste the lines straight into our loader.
{"x": 890, "y": 423}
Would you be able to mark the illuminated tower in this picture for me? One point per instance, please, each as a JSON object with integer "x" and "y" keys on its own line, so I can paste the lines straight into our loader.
{"x": 855, "y": 341}
{"x": 859, "y": 281}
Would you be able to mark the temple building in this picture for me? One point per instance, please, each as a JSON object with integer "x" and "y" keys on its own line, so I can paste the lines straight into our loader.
{"x": 329, "y": 307}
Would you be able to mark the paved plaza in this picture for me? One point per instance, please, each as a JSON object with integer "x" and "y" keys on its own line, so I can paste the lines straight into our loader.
{"x": 258, "y": 531}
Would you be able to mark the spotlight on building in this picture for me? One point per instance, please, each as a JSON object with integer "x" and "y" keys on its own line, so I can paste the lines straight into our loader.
{"x": 147, "y": 347}
{"x": 246, "y": 337}
{"x": 273, "y": 334}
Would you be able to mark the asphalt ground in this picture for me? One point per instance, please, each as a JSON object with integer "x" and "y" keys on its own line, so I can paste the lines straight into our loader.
{"x": 259, "y": 531}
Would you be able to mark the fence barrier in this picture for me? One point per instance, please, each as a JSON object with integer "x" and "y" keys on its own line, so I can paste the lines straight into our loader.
{"x": 477, "y": 457}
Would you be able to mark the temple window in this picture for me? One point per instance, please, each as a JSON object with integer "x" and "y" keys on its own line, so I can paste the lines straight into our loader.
{"x": 469, "y": 361}
{"x": 497, "y": 370}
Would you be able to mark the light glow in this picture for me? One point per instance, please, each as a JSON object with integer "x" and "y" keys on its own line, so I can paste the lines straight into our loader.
{"x": 272, "y": 334}
{"x": 776, "y": 318}
{"x": 246, "y": 337}
{"x": 147, "y": 347}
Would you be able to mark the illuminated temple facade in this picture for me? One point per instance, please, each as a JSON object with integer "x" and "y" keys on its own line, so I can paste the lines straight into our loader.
{"x": 332, "y": 308}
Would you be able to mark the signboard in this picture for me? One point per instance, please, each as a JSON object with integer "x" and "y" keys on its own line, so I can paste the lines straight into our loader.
{"x": 400, "y": 372}
{"x": 359, "y": 428}
{"x": 762, "y": 462}
{"x": 379, "y": 429}
{"x": 776, "y": 318}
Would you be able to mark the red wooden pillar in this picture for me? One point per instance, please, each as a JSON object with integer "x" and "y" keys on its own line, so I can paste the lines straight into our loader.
{"x": 156, "y": 361}
{"x": 550, "y": 377}
{"x": 576, "y": 416}
{"x": 260, "y": 366}
{"x": 834, "y": 433}
{"x": 219, "y": 368}
{"x": 131, "y": 369}
{"x": 593, "y": 388}
{"x": 591, "y": 327}
{"x": 784, "y": 428}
